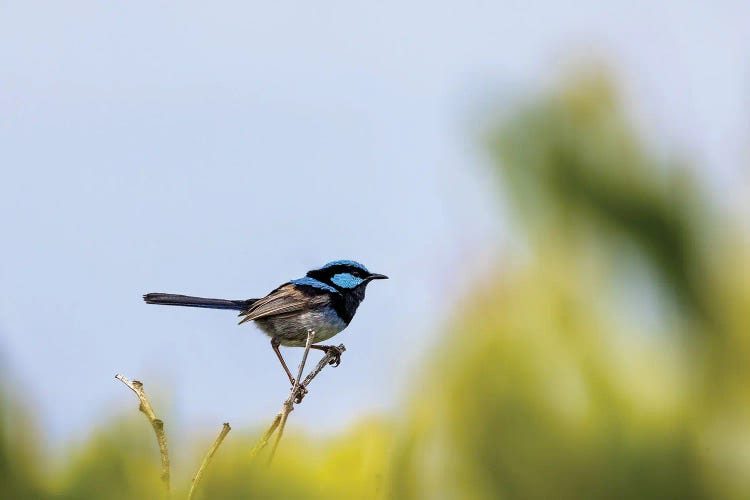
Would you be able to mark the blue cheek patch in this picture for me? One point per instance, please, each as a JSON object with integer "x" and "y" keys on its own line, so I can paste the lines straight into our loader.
{"x": 315, "y": 283}
{"x": 346, "y": 280}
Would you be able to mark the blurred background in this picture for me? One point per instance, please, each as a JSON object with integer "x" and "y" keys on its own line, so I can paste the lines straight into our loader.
{"x": 559, "y": 194}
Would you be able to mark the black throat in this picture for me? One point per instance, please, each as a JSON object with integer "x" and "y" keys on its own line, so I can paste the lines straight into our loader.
{"x": 346, "y": 303}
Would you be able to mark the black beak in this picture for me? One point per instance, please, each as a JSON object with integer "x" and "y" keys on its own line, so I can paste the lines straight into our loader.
{"x": 375, "y": 276}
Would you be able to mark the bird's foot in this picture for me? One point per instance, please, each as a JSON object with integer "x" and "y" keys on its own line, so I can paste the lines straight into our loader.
{"x": 301, "y": 392}
{"x": 335, "y": 353}
{"x": 332, "y": 351}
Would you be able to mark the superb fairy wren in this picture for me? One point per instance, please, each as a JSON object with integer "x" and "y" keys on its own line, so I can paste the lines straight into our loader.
{"x": 324, "y": 301}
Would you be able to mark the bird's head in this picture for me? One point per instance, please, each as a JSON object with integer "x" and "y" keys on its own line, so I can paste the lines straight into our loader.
{"x": 345, "y": 275}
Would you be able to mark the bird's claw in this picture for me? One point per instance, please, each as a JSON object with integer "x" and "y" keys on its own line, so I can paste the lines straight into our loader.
{"x": 301, "y": 391}
{"x": 336, "y": 356}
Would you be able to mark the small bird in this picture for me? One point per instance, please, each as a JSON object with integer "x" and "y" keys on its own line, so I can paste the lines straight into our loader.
{"x": 323, "y": 301}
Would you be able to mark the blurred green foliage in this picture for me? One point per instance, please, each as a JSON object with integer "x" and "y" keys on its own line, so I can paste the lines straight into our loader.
{"x": 611, "y": 361}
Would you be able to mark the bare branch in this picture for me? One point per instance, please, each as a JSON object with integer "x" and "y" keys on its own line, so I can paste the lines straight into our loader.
{"x": 158, "y": 425}
{"x": 296, "y": 395}
{"x": 324, "y": 361}
{"x": 211, "y": 451}
{"x": 266, "y": 436}
{"x": 288, "y": 406}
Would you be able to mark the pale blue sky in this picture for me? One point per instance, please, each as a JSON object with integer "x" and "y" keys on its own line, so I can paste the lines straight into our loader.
{"x": 220, "y": 149}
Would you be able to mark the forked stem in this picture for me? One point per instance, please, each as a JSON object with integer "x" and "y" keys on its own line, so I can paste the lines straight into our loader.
{"x": 297, "y": 393}
{"x": 288, "y": 406}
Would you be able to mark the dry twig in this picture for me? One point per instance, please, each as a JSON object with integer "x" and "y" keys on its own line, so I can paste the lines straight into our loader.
{"x": 211, "y": 451}
{"x": 157, "y": 424}
{"x": 288, "y": 406}
{"x": 296, "y": 394}
{"x": 324, "y": 361}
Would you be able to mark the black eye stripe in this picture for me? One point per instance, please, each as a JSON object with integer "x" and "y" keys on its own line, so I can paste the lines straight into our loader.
{"x": 341, "y": 269}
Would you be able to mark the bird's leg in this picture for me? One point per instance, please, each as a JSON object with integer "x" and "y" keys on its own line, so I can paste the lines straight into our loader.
{"x": 303, "y": 390}
{"x": 336, "y": 360}
{"x": 275, "y": 344}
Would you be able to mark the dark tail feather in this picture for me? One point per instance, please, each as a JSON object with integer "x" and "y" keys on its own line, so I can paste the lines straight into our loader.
{"x": 170, "y": 299}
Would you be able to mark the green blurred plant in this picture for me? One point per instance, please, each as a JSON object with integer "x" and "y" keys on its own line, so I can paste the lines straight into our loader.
{"x": 556, "y": 383}
{"x": 19, "y": 455}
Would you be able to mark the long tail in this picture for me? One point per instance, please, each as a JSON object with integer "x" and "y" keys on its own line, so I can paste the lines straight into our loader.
{"x": 170, "y": 299}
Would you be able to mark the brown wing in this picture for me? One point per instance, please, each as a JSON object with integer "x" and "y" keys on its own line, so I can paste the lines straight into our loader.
{"x": 284, "y": 300}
